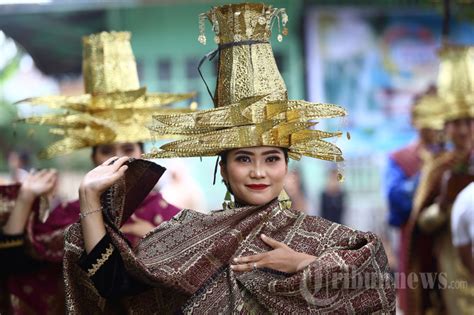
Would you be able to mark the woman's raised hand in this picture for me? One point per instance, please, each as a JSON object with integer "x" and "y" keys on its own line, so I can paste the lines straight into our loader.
{"x": 92, "y": 186}
{"x": 39, "y": 183}
{"x": 103, "y": 176}
{"x": 34, "y": 185}
{"x": 281, "y": 258}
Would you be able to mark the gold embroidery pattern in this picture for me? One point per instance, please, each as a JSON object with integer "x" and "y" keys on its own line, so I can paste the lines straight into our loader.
{"x": 104, "y": 257}
{"x": 11, "y": 243}
{"x": 6, "y": 205}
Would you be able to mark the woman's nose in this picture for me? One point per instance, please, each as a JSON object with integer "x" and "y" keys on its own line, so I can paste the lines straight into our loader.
{"x": 257, "y": 171}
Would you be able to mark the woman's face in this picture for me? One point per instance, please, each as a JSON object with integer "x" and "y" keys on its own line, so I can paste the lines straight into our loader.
{"x": 255, "y": 175}
{"x": 459, "y": 131}
{"x": 106, "y": 151}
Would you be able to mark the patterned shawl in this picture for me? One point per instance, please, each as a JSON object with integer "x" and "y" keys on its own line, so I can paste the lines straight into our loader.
{"x": 186, "y": 263}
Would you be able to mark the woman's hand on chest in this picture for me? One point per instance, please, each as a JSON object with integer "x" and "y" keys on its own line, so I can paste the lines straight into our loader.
{"x": 281, "y": 258}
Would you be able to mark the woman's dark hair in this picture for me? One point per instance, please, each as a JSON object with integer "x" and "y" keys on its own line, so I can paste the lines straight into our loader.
{"x": 223, "y": 155}
{"x": 140, "y": 144}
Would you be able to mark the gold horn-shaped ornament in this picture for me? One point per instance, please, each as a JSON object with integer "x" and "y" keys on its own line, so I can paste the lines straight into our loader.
{"x": 114, "y": 107}
{"x": 251, "y": 105}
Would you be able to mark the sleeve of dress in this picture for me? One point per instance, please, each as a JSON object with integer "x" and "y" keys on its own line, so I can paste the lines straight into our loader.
{"x": 399, "y": 190}
{"x": 13, "y": 255}
{"x": 106, "y": 269}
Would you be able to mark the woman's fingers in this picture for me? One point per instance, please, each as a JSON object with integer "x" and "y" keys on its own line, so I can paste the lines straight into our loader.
{"x": 108, "y": 161}
{"x": 122, "y": 169}
{"x": 248, "y": 263}
{"x": 248, "y": 259}
{"x": 127, "y": 228}
{"x": 271, "y": 242}
{"x": 251, "y": 262}
{"x": 106, "y": 179}
{"x": 39, "y": 174}
{"x": 119, "y": 173}
{"x": 52, "y": 174}
{"x": 245, "y": 267}
{"x": 119, "y": 163}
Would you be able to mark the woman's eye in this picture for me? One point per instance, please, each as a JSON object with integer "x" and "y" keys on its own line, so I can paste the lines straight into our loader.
{"x": 243, "y": 159}
{"x": 272, "y": 159}
{"x": 106, "y": 151}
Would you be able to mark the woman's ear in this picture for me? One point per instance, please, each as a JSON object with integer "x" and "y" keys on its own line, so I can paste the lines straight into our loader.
{"x": 223, "y": 171}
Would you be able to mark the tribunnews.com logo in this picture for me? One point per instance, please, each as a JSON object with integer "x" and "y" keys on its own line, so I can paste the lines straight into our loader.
{"x": 427, "y": 280}
{"x": 325, "y": 289}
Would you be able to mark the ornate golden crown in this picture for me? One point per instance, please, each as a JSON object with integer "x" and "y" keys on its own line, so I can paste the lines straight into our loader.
{"x": 114, "y": 109}
{"x": 251, "y": 100}
{"x": 456, "y": 81}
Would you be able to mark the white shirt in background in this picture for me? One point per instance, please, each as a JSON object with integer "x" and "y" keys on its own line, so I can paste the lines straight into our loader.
{"x": 462, "y": 217}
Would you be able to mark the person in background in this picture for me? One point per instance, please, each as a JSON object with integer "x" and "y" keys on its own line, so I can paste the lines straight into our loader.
{"x": 442, "y": 177}
{"x": 110, "y": 118}
{"x": 403, "y": 170}
{"x": 333, "y": 198}
{"x": 294, "y": 187}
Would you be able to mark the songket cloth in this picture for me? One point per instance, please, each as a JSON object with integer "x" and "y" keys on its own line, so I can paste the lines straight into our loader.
{"x": 185, "y": 263}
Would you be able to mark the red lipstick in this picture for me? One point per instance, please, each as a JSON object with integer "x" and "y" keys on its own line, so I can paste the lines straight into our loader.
{"x": 257, "y": 186}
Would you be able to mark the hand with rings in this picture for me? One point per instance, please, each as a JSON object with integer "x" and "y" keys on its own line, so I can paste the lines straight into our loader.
{"x": 281, "y": 258}
{"x": 103, "y": 176}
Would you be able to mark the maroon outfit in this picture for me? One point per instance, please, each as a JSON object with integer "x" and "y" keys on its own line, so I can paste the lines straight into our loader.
{"x": 32, "y": 269}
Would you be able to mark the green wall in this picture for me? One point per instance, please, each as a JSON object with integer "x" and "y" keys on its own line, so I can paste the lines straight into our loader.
{"x": 169, "y": 33}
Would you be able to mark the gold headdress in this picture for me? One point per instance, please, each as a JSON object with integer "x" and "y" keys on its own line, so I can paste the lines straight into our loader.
{"x": 427, "y": 112}
{"x": 114, "y": 107}
{"x": 456, "y": 81}
{"x": 251, "y": 101}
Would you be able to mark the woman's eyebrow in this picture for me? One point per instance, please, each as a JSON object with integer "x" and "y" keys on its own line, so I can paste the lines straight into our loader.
{"x": 106, "y": 147}
{"x": 271, "y": 152}
{"x": 244, "y": 152}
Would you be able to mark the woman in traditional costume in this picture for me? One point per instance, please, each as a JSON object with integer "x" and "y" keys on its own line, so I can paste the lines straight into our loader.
{"x": 430, "y": 249}
{"x": 256, "y": 255}
{"x": 110, "y": 118}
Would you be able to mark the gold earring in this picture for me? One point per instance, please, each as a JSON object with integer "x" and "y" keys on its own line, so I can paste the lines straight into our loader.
{"x": 284, "y": 200}
{"x": 228, "y": 202}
